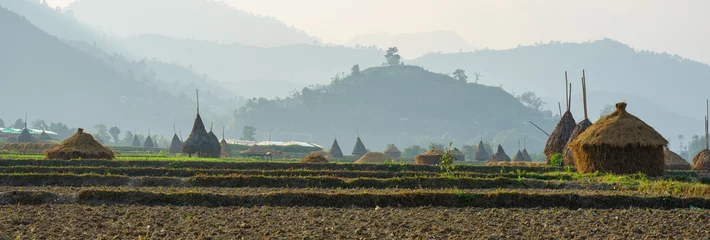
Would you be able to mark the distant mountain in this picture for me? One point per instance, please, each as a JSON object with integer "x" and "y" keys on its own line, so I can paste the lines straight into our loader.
{"x": 298, "y": 65}
{"x": 412, "y": 45}
{"x": 403, "y": 105}
{"x": 191, "y": 19}
{"x": 57, "y": 82}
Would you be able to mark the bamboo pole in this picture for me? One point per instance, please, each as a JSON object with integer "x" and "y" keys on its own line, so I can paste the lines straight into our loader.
{"x": 569, "y": 100}
{"x": 543, "y": 131}
{"x": 566, "y": 93}
{"x": 707, "y": 115}
{"x": 198, "y": 101}
{"x": 584, "y": 93}
{"x": 560, "y": 108}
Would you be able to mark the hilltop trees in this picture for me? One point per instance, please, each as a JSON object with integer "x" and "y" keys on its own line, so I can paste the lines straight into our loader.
{"x": 460, "y": 75}
{"x": 19, "y": 124}
{"x": 355, "y": 70}
{"x": 393, "y": 58}
{"x": 531, "y": 100}
{"x": 102, "y": 132}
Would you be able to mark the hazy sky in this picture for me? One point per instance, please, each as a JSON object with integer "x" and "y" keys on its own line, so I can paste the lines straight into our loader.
{"x": 678, "y": 26}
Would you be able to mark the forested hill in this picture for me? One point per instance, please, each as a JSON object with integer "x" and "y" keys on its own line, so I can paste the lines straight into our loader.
{"x": 396, "y": 104}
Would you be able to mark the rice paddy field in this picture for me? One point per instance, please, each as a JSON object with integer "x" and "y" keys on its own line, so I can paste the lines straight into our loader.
{"x": 161, "y": 197}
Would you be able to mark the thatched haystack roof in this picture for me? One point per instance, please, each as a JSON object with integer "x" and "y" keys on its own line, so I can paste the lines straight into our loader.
{"x": 25, "y": 136}
{"x": 44, "y": 136}
{"x": 620, "y": 143}
{"x": 175, "y": 145}
{"x": 359, "y": 149}
{"x": 519, "y": 157}
{"x": 148, "y": 143}
{"x": 674, "y": 161}
{"x": 431, "y": 157}
{"x": 335, "y": 149}
{"x": 481, "y": 154}
{"x": 568, "y": 156}
{"x": 136, "y": 141}
{"x": 499, "y": 155}
{"x": 458, "y": 155}
{"x": 374, "y": 157}
{"x": 81, "y": 145}
{"x": 225, "y": 152}
{"x": 559, "y": 137}
{"x": 526, "y": 155}
{"x": 314, "y": 158}
{"x": 200, "y": 142}
{"x": 392, "y": 151}
{"x": 701, "y": 161}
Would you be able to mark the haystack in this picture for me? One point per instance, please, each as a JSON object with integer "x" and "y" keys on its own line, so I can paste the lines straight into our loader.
{"x": 253, "y": 149}
{"x": 519, "y": 157}
{"x": 673, "y": 161}
{"x": 359, "y": 149}
{"x": 481, "y": 154}
{"x": 526, "y": 155}
{"x": 225, "y": 152}
{"x": 81, "y": 145}
{"x": 499, "y": 156}
{"x": 44, "y": 136}
{"x": 559, "y": 137}
{"x": 25, "y": 136}
{"x": 335, "y": 149}
{"x": 393, "y": 152}
{"x": 175, "y": 145}
{"x": 567, "y": 155}
{"x": 431, "y": 157}
{"x": 148, "y": 143}
{"x": 701, "y": 161}
{"x": 374, "y": 157}
{"x": 458, "y": 155}
{"x": 199, "y": 142}
{"x": 214, "y": 141}
{"x": 136, "y": 141}
{"x": 314, "y": 158}
{"x": 620, "y": 143}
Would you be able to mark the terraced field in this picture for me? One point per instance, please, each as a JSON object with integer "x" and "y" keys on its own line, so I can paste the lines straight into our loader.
{"x": 91, "y": 199}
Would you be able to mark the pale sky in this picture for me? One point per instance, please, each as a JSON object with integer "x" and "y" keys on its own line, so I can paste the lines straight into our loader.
{"x": 677, "y": 27}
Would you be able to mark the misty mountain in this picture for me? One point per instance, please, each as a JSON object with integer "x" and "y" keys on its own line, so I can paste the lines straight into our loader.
{"x": 403, "y": 105}
{"x": 57, "y": 82}
{"x": 414, "y": 45}
{"x": 264, "y": 69}
{"x": 191, "y": 19}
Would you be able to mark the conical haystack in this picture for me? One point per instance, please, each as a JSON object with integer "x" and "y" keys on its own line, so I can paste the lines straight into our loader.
{"x": 519, "y": 157}
{"x": 175, "y": 145}
{"x": 225, "y": 152}
{"x": 80, "y": 146}
{"x": 620, "y": 143}
{"x": 44, "y": 136}
{"x": 674, "y": 161}
{"x": 499, "y": 156}
{"x": 481, "y": 154}
{"x": 25, "y": 136}
{"x": 701, "y": 161}
{"x": 559, "y": 137}
{"x": 526, "y": 155}
{"x": 393, "y": 152}
{"x": 314, "y": 158}
{"x": 359, "y": 149}
{"x": 431, "y": 157}
{"x": 214, "y": 142}
{"x": 374, "y": 157}
{"x": 148, "y": 143}
{"x": 335, "y": 149}
{"x": 458, "y": 155}
{"x": 199, "y": 142}
{"x": 136, "y": 141}
{"x": 567, "y": 156}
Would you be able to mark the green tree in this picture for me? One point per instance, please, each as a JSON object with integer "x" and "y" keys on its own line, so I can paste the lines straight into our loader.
{"x": 439, "y": 146}
{"x": 531, "y": 100}
{"x": 412, "y": 151}
{"x": 696, "y": 145}
{"x": 393, "y": 58}
{"x": 40, "y": 124}
{"x": 114, "y": 131}
{"x": 355, "y": 70}
{"x": 19, "y": 124}
{"x": 249, "y": 133}
{"x": 460, "y": 75}
{"x": 102, "y": 132}
{"x": 61, "y": 130}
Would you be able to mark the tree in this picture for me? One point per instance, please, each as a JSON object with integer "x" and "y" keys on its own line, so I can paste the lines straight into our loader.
{"x": 61, "y": 130}
{"x": 114, "y": 131}
{"x": 531, "y": 100}
{"x": 606, "y": 110}
{"x": 478, "y": 76}
{"x": 696, "y": 145}
{"x": 392, "y": 57}
{"x": 460, "y": 75}
{"x": 249, "y": 133}
{"x": 355, "y": 70}
{"x": 40, "y": 124}
{"x": 127, "y": 139}
{"x": 19, "y": 124}
{"x": 412, "y": 151}
{"x": 102, "y": 133}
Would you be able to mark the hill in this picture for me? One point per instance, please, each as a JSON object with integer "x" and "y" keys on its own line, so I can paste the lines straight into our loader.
{"x": 414, "y": 45}
{"x": 403, "y": 105}
{"x": 193, "y": 19}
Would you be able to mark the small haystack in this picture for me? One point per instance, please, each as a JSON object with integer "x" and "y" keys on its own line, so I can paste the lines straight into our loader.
{"x": 499, "y": 156}
{"x": 620, "y": 143}
{"x": 393, "y": 152}
{"x": 25, "y": 136}
{"x": 359, "y": 149}
{"x": 335, "y": 149}
{"x": 481, "y": 154}
{"x": 80, "y": 146}
{"x": 458, "y": 155}
{"x": 519, "y": 157}
{"x": 44, "y": 136}
{"x": 136, "y": 141}
{"x": 567, "y": 156}
{"x": 148, "y": 143}
{"x": 557, "y": 141}
{"x": 674, "y": 161}
{"x": 225, "y": 151}
{"x": 526, "y": 155}
{"x": 431, "y": 157}
{"x": 314, "y": 158}
{"x": 253, "y": 149}
{"x": 214, "y": 141}
{"x": 374, "y": 157}
{"x": 701, "y": 161}
{"x": 200, "y": 142}
{"x": 175, "y": 145}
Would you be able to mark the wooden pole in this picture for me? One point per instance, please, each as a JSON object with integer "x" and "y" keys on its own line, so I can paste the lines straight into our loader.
{"x": 569, "y": 100}
{"x": 707, "y": 115}
{"x": 543, "y": 131}
{"x": 584, "y": 93}
{"x": 566, "y": 94}
{"x": 198, "y": 101}
{"x": 560, "y": 108}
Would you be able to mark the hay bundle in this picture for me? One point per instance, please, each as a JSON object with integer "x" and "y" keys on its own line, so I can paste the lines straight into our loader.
{"x": 526, "y": 155}
{"x": 701, "y": 161}
{"x": 335, "y": 149}
{"x": 253, "y": 149}
{"x": 519, "y": 157}
{"x": 25, "y": 136}
{"x": 458, "y": 155}
{"x": 559, "y": 137}
{"x": 481, "y": 154}
{"x": 359, "y": 149}
{"x": 136, "y": 141}
{"x": 431, "y": 157}
{"x": 567, "y": 155}
{"x": 314, "y": 158}
{"x": 225, "y": 152}
{"x": 44, "y": 136}
{"x": 374, "y": 157}
{"x": 620, "y": 143}
{"x": 28, "y": 148}
{"x": 148, "y": 143}
{"x": 175, "y": 145}
{"x": 674, "y": 161}
{"x": 393, "y": 152}
{"x": 499, "y": 156}
{"x": 81, "y": 145}
{"x": 214, "y": 143}
{"x": 200, "y": 142}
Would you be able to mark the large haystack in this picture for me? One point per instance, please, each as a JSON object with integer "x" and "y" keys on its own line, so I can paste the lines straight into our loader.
{"x": 199, "y": 142}
{"x": 559, "y": 137}
{"x": 44, "y": 136}
{"x": 175, "y": 145}
{"x": 335, "y": 149}
{"x": 136, "y": 141}
{"x": 499, "y": 156}
{"x": 481, "y": 154}
{"x": 148, "y": 143}
{"x": 431, "y": 157}
{"x": 620, "y": 143}
{"x": 80, "y": 146}
{"x": 314, "y": 158}
{"x": 458, "y": 155}
{"x": 25, "y": 136}
{"x": 673, "y": 161}
{"x": 359, "y": 149}
{"x": 567, "y": 155}
{"x": 393, "y": 152}
{"x": 374, "y": 157}
{"x": 701, "y": 161}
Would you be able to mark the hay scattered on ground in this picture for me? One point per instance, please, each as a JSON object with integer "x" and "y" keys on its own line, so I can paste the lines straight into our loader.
{"x": 431, "y": 157}
{"x": 374, "y": 157}
{"x": 674, "y": 161}
{"x": 499, "y": 155}
{"x": 314, "y": 158}
{"x": 28, "y": 148}
{"x": 80, "y": 146}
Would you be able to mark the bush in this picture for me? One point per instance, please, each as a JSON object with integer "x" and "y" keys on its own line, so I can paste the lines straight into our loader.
{"x": 556, "y": 160}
